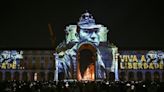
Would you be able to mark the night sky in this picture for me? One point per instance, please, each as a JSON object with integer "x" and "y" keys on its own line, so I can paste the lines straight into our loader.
{"x": 132, "y": 24}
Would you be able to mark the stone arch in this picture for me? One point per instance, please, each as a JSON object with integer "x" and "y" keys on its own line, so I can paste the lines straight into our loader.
{"x": 16, "y": 75}
{"x": 148, "y": 76}
{"x": 156, "y": 76}
{"x": 131, "y": 76}
{"x": 61, "y": 76}
{"x": 163, "y": 76}
{"x": 42, "y": 76}
{"x": 42, "y": 64}
{"x": 25, "y": 76}
{"x": 38, "y": 76}
{"x": 111, "y": 76}
{"x": 1, "y": 76}
{"x": 139, "y": 76}
{"x": 122, "y": 76}
{"x": 50, "y": 76}
{"x": 32, "y": 76}
{"x": 86, "y": 57}
{"x": 7, "y": 75}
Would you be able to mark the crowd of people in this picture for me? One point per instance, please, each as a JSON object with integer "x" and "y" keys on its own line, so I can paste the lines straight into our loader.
{"x": 81, "y": 86}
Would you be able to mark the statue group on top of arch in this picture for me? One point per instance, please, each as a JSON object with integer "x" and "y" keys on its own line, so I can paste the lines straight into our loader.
{"x": 81, "y": 56}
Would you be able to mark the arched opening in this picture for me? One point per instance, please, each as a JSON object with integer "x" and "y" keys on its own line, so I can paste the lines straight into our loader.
{"x": 50, "y": 76}
{"x": 86, "y": 62}
{"x": 38, "y": 75}
{"x": 7, "y": 76}
{"x": 156, "y": 76}
{"x": 139, "y": 76}
{"x": 16, "y": 75}
{"x": 131, "y": 76}
{"x": 148, "y": 76}
{"x": 32, "y": 76}
{"x": 42, "y": 76}
{"x": 61, "y": 76}
{"x": 1, "y": 74}
{"x": 163, "y": 76}
{"x": 122, "y": 76}
{"x": 24, "y": 76}
{"x": 111, "y": 76}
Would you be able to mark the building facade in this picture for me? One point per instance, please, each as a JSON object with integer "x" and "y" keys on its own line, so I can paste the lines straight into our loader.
{"x": 140, "y": 65}
{"x": 84, "y": 54}
{"x": 35, "y": 65}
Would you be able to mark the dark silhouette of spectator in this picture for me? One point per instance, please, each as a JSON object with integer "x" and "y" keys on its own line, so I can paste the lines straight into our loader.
{"x": 81, "y": 86}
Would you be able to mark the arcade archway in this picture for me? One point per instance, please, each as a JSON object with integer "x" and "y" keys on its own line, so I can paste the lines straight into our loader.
{"x": 163, "y": 76}
{"x": 139, "y": 76}
{"x": 24, "y": 76}
{"x": 122, "y": 76}
{"x": 42, "y": 76}
{"x": 50, "y": 75}
{"x": 86, "y": 62}
{"x": 16, "y": 75}
{"x": 148, "y": 76}
{"x": 7, "y": 76}
{"x": 131, "y": 76}
{"x": 111, "y": 76}
{"x": 156, "y": 76}
{"x": 1, "y": 76}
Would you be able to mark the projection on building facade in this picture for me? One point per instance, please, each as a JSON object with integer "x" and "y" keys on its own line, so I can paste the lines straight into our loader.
{"x": 86, "y": 53}
{"x": 10, "y": 59}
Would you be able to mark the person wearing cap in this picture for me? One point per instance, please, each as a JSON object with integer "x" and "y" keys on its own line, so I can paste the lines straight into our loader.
{"x": 87, "y": 31}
